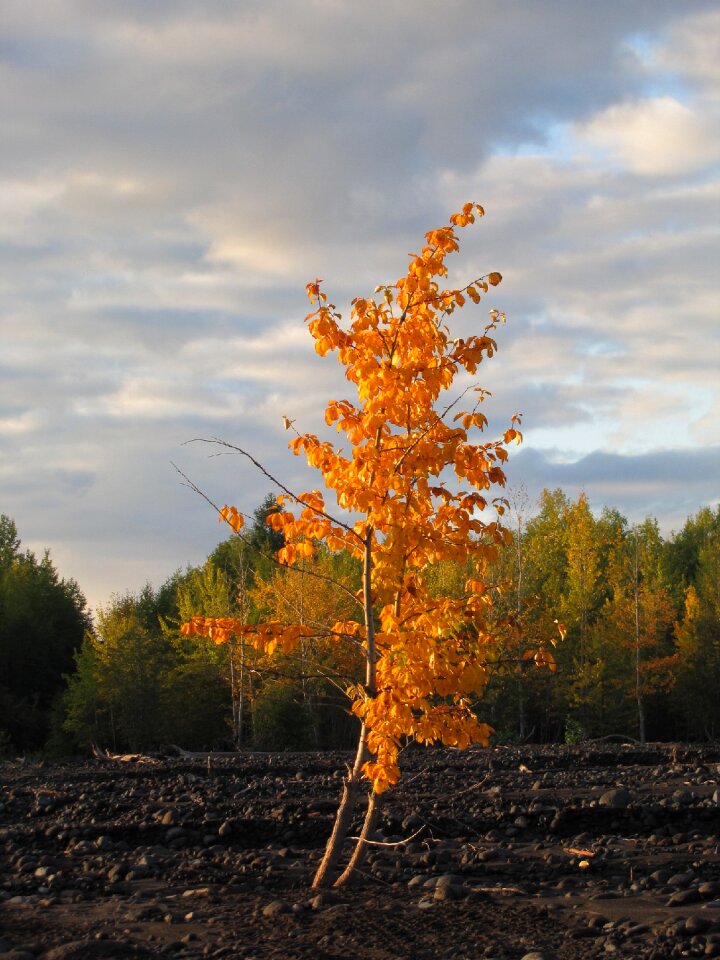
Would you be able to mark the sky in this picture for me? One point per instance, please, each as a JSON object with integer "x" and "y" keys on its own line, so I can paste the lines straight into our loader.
{"x": 173, "y": 172}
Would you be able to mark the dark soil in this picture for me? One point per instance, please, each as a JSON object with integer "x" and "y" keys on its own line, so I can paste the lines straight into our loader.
{"x": 537, "y": 852}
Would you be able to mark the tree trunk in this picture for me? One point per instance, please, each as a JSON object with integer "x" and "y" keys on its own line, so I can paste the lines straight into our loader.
{"x": 343, "y": 818}
{"x": 351, "y": 788}
{"x": 361, "y": 847}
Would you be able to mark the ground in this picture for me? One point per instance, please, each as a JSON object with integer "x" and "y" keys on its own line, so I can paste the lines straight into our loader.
{"x": 539, "y": 852}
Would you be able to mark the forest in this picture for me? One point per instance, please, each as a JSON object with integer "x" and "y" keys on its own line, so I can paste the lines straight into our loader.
{"x": 632, "y": 620}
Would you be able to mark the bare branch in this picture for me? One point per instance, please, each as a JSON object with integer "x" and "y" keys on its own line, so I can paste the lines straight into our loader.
{"x": 391, "y": 843}
{"x": 267, "y": 556}
{"x": 272, "y": 479}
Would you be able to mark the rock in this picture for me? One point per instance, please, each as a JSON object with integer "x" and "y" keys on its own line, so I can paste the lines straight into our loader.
{"x": 682, "y": 797}
{"x": 709, "y": 889}
{"x": 683, "y": 897}
{"x": 117, "y": 872}
{"x": 616, "y": 799}
{"x": 325, "y": 898}
{"x": 275, "y": 908}
{"x": 449, "y": 887}
{"x": 681, "y": 880}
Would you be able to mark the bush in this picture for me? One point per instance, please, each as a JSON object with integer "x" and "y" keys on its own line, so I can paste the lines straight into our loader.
{"x": 281, "y": 720}
{"x": 574, "y": 731}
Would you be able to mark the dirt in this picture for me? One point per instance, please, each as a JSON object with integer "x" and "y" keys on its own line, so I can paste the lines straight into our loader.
{"x": 535, "y": 852}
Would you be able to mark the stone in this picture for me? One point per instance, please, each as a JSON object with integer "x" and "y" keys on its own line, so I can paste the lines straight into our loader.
{"x": 681, "y": 880}
{"x": 275, "y": 908}
{"x": 449, "y": 887}
{"x": 616, "y": 799}
{"x": 683, "y": 897}
{"x": 710, "y": 888}
{"x": 697, "y": 924}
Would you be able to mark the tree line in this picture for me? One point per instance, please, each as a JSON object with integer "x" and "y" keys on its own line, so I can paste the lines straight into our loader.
{"x": 632, "y": 619}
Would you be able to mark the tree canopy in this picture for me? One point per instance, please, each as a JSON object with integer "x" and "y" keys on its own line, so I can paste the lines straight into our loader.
{"x": 42, "y": 621}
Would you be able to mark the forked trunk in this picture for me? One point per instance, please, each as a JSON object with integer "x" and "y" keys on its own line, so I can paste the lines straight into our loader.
{"x": 361, "y": 847}
{"x": 351, "y": 788}
{"x": 348, "y": 802}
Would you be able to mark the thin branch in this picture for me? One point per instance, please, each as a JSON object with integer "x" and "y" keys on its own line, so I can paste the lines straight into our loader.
{"x": 391, "y": 843}
{"x": 325, "y": 578}
{"x": 439, "y": 418}
{"x": 195, "y": 489}
{"x": 317, "y": 623}
{"x": 272, "y": 479}
{"x": 266, "y": 556}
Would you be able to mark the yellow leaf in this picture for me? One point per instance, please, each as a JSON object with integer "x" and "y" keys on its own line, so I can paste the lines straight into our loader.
{"x": 543, "y": 658}
{"x": 232, "y": 517}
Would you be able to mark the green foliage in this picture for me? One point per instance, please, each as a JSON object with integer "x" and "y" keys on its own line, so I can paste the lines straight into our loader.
{"x": 683, "y": 551}
{"x": 250, "y": 557}
{"x": 697, "y": 632}
{"x": 195, "y": 704}
{"x": 136, "y": 686}
{"x": 282, "y": 720}
{"x": 642, "y": 646}
{"x": 42, "y": 621}
{"x": 574, "y": 731}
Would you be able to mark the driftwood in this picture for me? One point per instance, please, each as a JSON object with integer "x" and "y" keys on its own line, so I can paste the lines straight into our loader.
{"x": 202, "y": 756}
{"x": 106, "y": 757}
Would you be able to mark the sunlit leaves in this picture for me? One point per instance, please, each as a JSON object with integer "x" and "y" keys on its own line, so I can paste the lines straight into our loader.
{"x": 402, "y": 435}
{"x": 231, "y": 516}
{"x": 541, "y": 658}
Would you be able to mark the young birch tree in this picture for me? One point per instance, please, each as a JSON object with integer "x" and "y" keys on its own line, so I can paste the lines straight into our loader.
{"x": 406, "y": 433}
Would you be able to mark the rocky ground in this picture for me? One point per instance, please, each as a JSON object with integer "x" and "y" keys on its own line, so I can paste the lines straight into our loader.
{"x": 546, "y": 853}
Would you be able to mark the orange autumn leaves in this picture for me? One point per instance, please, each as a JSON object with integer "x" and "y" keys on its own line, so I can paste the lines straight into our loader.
{"x": 403, "y": 433}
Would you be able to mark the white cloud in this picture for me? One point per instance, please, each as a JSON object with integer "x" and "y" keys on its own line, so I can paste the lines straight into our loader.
{"x": 691, "y": 51}
{"x": 655, "y": 136}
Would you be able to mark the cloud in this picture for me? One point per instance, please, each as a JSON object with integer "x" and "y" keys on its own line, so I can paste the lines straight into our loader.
{"x": 690, "y": 50}
{"x": 176, "y": 173}
{"x": 656, "y": 136}
{"x": 665, "y": 483}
